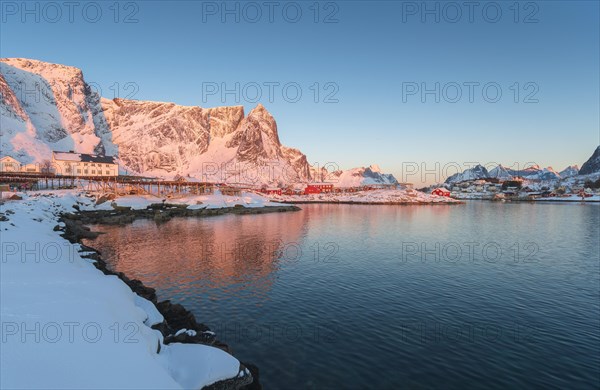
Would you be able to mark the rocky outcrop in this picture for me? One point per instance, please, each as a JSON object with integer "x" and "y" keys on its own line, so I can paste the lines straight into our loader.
{"x": 157, "y": 136}
{"x": 225, "y": 120}
{"x": 592, "y": 165}
{"x": 9, "y": 104}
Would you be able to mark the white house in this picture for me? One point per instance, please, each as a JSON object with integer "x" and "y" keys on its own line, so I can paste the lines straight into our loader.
{"x": 9, "y": 164}
{"x": 79, "y": 164}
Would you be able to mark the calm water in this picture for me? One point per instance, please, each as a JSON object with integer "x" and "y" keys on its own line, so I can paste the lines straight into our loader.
{"x": 484, "y": 295}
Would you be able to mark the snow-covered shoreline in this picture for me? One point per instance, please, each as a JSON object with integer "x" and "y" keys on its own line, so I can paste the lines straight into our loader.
{"x": 67, "y": 325}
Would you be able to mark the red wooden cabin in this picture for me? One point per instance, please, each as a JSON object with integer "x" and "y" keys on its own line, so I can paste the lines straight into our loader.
{"x": 441, "y": 192}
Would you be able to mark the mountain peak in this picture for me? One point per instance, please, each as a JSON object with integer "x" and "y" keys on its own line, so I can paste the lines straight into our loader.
{"x": 46, "y": 69}
{"x": 375, "y": 168}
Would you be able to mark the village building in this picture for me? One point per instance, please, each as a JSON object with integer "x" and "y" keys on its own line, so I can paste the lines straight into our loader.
{"x": 312, "y": 190}
{"x": 10, "y": 164}
{"x": 441, "y": 191}
{"x": 323, "y": 187}
{"x": 230, "y": 191}
{"x": 291, "y": 191}
{"x": 272, "y": 191}
{"x": 79, "y": 164}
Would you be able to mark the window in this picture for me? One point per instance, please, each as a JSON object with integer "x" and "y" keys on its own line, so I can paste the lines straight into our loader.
{"x": 108, "y": 172}
{"x": 93, "y": 171}
{"x": 79, "y": 171}
{"x": 85, "y": 164}
{"x": 86, "y": 172}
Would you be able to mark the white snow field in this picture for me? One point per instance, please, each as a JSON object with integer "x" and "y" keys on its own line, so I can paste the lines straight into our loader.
{"x": 66, "y": 325}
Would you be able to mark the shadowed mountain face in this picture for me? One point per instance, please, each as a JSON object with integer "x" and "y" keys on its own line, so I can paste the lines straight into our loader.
{"x": 592, "y": 165}
{"x": 48, "y": 107}
{"x": 477, "y": 172}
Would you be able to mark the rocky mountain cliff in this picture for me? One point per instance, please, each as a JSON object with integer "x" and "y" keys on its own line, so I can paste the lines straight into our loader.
{"x": 592, "y": 165}
{"x": 48, "y": 107}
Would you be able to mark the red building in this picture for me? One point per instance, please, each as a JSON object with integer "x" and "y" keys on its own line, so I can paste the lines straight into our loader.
{"x": 271, "y": 191}
{"x": 312, "y": 190}
{"x": 441, "y": 192}
{"x": 324, "y": 187}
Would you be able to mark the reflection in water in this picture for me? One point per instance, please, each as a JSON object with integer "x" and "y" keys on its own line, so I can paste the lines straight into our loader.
{"x": 348, "y": 296}
{"x": 233, "y": 253}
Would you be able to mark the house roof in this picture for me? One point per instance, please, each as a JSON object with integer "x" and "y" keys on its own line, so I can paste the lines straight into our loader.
{"x": 81, "y": 157}
{"x": 9, "y": 158}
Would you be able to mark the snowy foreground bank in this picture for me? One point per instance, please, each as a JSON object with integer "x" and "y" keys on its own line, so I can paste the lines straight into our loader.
{"x": 370, "y": 197}
{"x": 66, "y": 325}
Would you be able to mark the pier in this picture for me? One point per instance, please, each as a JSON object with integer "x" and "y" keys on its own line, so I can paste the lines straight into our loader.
{"x": 118, "y": 185}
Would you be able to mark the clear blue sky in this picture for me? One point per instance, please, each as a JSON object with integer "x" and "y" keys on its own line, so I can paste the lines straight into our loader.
{"x": 373, "y": 54}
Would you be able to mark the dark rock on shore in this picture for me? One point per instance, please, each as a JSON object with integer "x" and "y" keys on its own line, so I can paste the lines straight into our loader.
{"x": 163, "y": 212}
{"x": 75, "y": 231}
{"x": 243, "y": 380}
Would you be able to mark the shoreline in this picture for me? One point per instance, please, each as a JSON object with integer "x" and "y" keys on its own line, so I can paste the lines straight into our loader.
{"x": 176, "y": 316}
{"x": 163, "y": 212}
{"x": 46, "y": 221}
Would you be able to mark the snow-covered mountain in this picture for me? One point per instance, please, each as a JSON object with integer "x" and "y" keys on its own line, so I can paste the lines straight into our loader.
{"x": 592, "y": 165}
{"x": 477, "y": 172}
{"x": 48, "y": 107}
{"x": 361, "y": 177}
{"x": 537, "y": 173}
{"x": 501, "y": 173}
{"x": 569, "y": 171}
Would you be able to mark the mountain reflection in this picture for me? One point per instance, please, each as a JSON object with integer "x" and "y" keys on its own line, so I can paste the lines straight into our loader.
{"x": 237, "y": 253}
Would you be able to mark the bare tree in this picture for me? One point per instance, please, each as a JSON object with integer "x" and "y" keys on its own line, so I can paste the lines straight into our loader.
{"x": 46, "y": 166}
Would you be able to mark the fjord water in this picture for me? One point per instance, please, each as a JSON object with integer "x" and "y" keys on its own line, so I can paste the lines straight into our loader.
{"x": 483, "y": 295}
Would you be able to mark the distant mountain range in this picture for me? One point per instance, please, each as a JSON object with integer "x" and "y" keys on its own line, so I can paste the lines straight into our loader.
{"x": 533, "y": 173}
{"x": 47, "y": 107}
